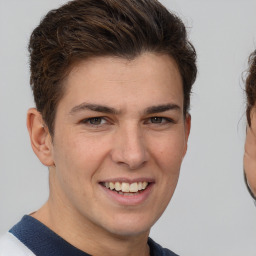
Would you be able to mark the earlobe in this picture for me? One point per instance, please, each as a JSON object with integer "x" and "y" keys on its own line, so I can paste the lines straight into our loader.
{"x": 40, "y": 137}
{"x": 188, "y": 125}
{"x": 187, "y": 131}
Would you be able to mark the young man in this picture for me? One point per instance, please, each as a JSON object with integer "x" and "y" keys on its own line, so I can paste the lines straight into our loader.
{"x": 111, "y": 82}
{"x": 250, "y": 143}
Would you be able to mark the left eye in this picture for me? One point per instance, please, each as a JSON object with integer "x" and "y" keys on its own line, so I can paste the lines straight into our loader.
{"x": 157, "y": 120}
{"x": 160, "y": 120}
{"x": 95, "y": 121}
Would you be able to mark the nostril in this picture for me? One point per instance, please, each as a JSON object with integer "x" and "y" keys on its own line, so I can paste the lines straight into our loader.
{"x": 136, "y": 165}
{"x": 129, "y": 147}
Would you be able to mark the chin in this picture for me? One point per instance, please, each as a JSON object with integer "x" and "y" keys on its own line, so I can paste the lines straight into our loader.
{"x": 130, "y": 231}
{"x": 128, "y": 227}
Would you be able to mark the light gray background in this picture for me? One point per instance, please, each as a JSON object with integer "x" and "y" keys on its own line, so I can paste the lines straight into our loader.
{"x": 211, "y": 212}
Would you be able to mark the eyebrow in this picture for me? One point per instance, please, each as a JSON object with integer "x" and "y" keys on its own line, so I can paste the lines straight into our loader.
{"x": 162, "y": 108}
{"x": 110, "y": 110}
{"x": 93, "y": 107}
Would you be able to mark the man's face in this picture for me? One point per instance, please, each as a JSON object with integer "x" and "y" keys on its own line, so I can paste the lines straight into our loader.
{"x": 120, "y": 137}
{"x": 250, "y": 153}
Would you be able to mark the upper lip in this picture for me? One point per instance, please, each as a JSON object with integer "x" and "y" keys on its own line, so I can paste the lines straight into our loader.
{"x": 128, "y": 180}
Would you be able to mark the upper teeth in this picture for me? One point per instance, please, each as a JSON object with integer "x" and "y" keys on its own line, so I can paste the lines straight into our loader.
{"x": 126, "y": 187}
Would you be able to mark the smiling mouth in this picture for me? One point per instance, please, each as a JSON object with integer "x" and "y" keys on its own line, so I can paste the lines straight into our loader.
{"x": 126, "y": 189}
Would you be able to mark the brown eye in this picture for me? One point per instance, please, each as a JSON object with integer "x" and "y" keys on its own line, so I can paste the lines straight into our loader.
{"x": 95, "y": 120}
{"x": 156, "y": 120}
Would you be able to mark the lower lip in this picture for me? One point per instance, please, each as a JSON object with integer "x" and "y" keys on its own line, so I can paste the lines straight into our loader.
{"x": 129, "y": 200}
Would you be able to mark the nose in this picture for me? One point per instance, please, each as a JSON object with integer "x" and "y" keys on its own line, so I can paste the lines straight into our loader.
{"x": 129, "y": 148}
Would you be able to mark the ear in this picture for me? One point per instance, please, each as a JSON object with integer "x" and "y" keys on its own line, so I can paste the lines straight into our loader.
{"x": 40, "y": 137}
{"x": 250, "y": 153}
{"x": 187, "y": 124}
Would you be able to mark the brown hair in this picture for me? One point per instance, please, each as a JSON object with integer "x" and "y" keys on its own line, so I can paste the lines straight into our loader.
{"x": 250, "y": 86}
{"x": 85, "y": 28}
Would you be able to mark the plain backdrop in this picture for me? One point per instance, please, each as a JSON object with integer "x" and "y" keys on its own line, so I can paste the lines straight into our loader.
{"x": 211, "y": 213}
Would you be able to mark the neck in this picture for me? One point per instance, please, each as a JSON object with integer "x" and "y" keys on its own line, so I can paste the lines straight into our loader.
{"x": 85, "y": 236}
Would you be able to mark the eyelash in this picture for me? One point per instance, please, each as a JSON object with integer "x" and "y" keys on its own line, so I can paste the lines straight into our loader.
{"x": 165, "y": 119}
{"x": 88, "y": 120}
{"x": 92, "y": 121}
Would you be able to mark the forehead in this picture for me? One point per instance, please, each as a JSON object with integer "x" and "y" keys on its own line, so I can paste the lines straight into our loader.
{"x": 147, "y": 78}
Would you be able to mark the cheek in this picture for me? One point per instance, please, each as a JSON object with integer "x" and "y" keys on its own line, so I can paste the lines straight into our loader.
{"x": 169, "y": 152}
{"x": 168, "y": 158}
{"x": 250, "y": 170}
{"x": 79, "y": 155}
{"x": 76, "y": 163}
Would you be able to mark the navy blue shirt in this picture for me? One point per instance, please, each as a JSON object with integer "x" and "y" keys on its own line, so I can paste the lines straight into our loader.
{"x": 42, "y": 241}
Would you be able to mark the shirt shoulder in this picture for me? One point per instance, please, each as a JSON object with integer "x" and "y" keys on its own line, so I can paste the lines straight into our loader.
{"x": 158, "y": 250}
{"x": 11, "y": 246}
{"x": 41, "y": 240}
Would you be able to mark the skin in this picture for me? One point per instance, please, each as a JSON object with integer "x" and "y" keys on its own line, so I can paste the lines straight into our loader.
{"x": 250, "y": 153}
{"x": 136, "y": 140}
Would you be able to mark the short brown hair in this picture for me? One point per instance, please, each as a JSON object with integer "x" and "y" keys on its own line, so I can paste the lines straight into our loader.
{"x": 250, "y": 86}
{"x": 86, "y": 28}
